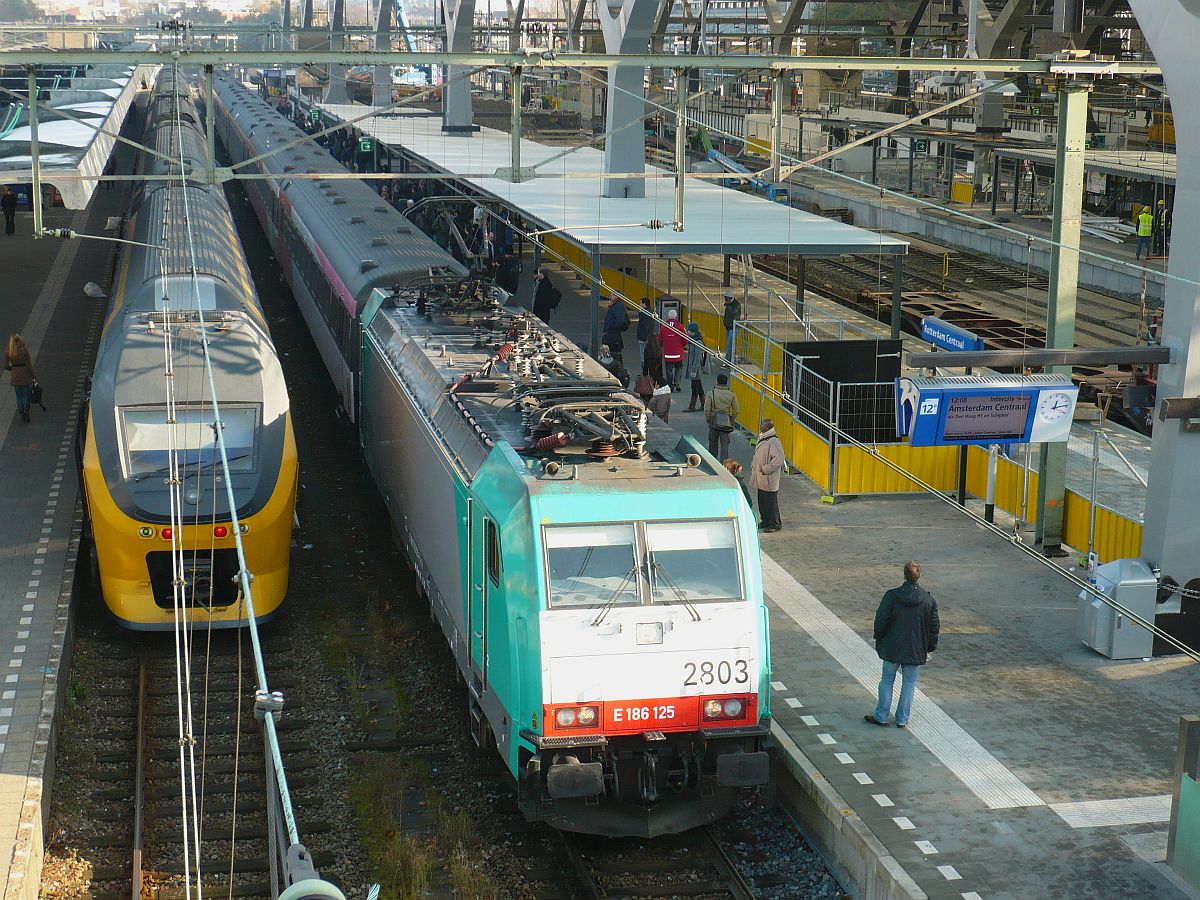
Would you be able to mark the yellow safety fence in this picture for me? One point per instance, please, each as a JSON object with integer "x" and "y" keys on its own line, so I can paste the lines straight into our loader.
{"x": 855, "y": 470}
{"x": 858, "y": 471}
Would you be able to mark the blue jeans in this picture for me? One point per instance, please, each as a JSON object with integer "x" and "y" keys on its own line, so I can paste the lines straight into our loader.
{"x": 22, "y": 392}
{"x": 729, "y": 344}
{"x": 907, "y": 689}
{"x": 1143, "y": 243}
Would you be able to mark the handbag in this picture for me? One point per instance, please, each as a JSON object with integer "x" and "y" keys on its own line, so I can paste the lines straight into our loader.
{"x": 722, "y": 422}
{"x": 35, "y": 395}
{"x": 643, "y": 386}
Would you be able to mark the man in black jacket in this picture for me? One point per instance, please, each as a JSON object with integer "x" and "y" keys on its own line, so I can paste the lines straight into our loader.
{"x": 545, "y": 296}
{"x": 906, "y": 632}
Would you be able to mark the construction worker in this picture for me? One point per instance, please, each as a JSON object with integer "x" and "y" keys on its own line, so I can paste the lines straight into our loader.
{"x": 1145, "y": 231}
{"x": 1162, "y": 228}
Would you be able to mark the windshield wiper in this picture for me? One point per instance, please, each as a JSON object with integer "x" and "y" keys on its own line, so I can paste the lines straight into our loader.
{"x": 679, "y": 594}
{"x": 612, "y": 598}
{"x": 199, "y": 467}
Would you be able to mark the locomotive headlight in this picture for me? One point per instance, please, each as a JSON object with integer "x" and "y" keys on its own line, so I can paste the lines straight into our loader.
{"x": 587, "y": 715}
{"x": 192, "y": 495}
{"x": 712, "y": 709}
{"x": 733, "y": 708}
{"x": 649, "y": 632}
{"x": 565, "y": 717}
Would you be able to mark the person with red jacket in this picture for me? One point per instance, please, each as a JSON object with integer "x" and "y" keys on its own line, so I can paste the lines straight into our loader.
{"x": 674, "y": 347}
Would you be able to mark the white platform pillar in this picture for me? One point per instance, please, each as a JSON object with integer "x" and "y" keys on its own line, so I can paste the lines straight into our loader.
{"x": 457, "y": 114}
{"x": 626, "y": 25}
{"x": 1172, "y": 527}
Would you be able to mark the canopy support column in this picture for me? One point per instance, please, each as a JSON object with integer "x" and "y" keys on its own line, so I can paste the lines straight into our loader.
{"x": 35, "y": 156}
{"x": 594, "y": 307}
{"x": 518, "y": 83}
{"x": 1064, "y": 281}
{"x": 680, "y": 145}
{"x": 210, "y": 140}
{"x": 897, "y": 293}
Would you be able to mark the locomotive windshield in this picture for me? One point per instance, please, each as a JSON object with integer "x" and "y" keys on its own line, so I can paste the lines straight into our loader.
{"x": 643, "y": 562}
{"x": 149, "y": 438}
{"x": 693, "y": 560}
{"x": 591, "y": 564}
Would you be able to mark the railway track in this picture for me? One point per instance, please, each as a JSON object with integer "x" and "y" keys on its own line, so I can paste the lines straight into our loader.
{"x": 985, "y": 286}
{"x": 137, "y": 792}
{"x": 694, "y": 864}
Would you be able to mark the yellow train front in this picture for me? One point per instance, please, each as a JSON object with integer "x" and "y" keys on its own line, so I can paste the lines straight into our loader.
{"x": 157, "y": 498}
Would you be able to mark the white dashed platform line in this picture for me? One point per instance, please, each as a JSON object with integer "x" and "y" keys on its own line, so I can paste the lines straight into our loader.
{"x": 778, "y": 686}
{"x": 927, "y": 848}
{"x": 863, "y": 778}
{"x": 984, "y": 775}
{"x": 793, "y": 703}
{"x": 1129, "y": 811}
{"x": 904, "y": 823}
{"x": 883, "y": 800}
{"x": 826, "y": 739}
{"x": 949, "y": 873}
{"x": 971, "y": 895}
{"x": 809, "y": 720}
{"x": 844, "y": 758}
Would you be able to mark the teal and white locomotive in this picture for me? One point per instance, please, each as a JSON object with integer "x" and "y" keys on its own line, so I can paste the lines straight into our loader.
{"x": 600, "y": 590}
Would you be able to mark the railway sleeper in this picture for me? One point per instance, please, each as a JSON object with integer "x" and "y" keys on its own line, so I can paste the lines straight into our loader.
{"x": 249, "y": 788}
{"x": 250, "y": 762}
{"x": 217, "y": 864}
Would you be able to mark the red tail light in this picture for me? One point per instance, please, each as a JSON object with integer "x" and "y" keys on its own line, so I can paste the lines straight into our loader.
{"x": 167, "y": 534}
{"x": 220, "y": 531}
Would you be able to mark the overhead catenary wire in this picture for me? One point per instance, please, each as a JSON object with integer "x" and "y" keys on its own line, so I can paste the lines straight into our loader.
{"x": 1029, "y": 238}
{"x": 929, "y": 204}
{"x": 763, "y": 385}
{"x": 183, "y": 619}
{"x": 267, "y": 700}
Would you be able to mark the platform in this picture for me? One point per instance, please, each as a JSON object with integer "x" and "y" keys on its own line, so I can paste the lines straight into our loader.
{"x": 39, "y": 530}
{"x": 1032, "y": 767}
{"x": 567, "y": 199}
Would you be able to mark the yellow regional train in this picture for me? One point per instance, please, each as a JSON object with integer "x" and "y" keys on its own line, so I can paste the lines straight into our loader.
{"x": 158, "y": 516}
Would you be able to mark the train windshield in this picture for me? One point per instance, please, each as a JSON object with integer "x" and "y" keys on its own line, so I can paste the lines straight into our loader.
{"x": 149, "y": 437}
{"x": 693, "y": 561}
{"x": 592, "y": 564}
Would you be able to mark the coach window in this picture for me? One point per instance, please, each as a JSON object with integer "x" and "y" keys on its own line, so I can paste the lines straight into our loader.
{"x": 492, "y": 546}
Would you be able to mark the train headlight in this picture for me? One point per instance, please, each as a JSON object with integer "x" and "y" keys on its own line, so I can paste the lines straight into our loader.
{"x": 712, "y": 709}
{"x": 649, "y": 632}
{"x": 587, "y": 715}
{"x": 565, "y": 717}
{"x": 733, "y": 708}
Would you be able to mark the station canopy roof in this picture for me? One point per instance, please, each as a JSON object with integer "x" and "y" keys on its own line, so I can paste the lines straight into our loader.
{"x": 567, "y": 198}
{"x": 1140, "y": 165}
{"x": 72, "y": 151}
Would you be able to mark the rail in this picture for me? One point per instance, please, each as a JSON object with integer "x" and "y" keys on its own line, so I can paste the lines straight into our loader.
{"x": 706, "y": 868}
{"x": 139, "y": 782}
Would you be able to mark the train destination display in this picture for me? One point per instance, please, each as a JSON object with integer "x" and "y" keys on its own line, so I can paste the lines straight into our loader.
{"x": 985, "y": 409}
{"x": 999, "y": 417}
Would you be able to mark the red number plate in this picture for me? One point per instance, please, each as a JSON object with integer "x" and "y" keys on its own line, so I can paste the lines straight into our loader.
{"x": 650, "y": 715}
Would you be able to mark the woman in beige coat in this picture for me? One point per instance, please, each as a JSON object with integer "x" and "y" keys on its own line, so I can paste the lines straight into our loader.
{"x": 765, "y": 471}
{"x": 18, "y": 361}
